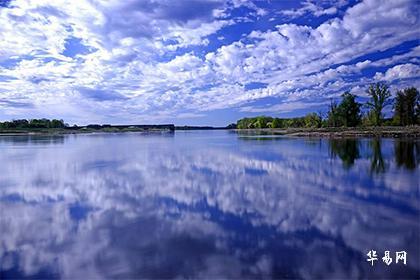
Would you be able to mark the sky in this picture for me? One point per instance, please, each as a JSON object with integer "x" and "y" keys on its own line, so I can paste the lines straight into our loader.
{"x": 199, "y": 62}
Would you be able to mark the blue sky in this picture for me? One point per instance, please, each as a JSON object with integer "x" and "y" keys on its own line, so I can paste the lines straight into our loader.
{"x": 199, "y": 62}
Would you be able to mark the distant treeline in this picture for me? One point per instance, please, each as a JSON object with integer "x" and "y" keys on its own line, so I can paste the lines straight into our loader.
{"x": 34, "y": 123}
{"x": 46, "y": 124}
{"x": 348, "y": 112}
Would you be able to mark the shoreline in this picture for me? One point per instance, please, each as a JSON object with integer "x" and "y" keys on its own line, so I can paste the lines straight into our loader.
{"x": 331, "y": 132}
{"x": 57, "y": 132}
{"x": 93, "y": 128}
{"x": 339, "y": 132}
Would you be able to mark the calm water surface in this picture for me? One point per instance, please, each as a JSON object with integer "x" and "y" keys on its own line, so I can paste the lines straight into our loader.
{"x": 207, "y": 204}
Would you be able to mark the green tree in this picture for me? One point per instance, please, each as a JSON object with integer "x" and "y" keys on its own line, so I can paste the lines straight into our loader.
{"x": 276, "y": 123}
{"x": 288, "y": 123}
{"x": 349, "y": 110}
{"x": 57, "y": 124}
{"x": 243, "y": 123}
{"x": 262, "y": 122}
{"x": 406, "y": 106}
{"x": 367, "y": 119}
{"x": 333, "y": 118}
{"x": 34, "y": 123}
{"x": 379, "y": 99}
{"x": 313, "y": 120}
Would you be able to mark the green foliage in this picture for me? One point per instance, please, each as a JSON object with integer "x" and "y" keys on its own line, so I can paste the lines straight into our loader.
{"x": 313, "y": 120}
{"x": 347, "y": 113}
{"x": 245, "y": 123}
{"x": 288, "y": 123}
{"x": 379, "y": 98}
{"x": 407, "y": 107}
{"x": 367, "y": 119}
{"x": 277, "y": 123}
{"x": 262, "y": 122}
{"x": 333, "y": 118}
{"x": 349, "y": 110}
{"x": 269, "y": 122}
{"x": 298, "y": 122}
{"x": 34, "y": 123}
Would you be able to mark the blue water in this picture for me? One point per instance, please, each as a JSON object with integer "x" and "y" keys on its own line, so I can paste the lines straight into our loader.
{"x": 207, "y": 204}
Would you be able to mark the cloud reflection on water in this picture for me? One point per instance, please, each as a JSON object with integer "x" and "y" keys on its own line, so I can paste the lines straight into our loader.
{"x": 205, "y": 205}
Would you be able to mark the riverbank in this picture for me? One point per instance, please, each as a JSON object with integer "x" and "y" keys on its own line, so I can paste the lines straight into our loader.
{"x": 88, "y": 129}
{"x": 330, "y": 132}
{"x": 339, "y": 132}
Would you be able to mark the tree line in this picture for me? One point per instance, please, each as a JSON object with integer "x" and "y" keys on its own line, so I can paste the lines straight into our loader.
{"x": 348, "y": 113}
{"x": 33, "y": 123}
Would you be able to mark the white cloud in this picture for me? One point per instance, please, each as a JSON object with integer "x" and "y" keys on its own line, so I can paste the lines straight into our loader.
{"x": 402, "y": 71}
{"x": 284, "y": 57}
{"x": 315, "y": 8}
{"x": 381, "y": 19}
{"x": 155, "y": 55}
{"x": 284, "y": 107}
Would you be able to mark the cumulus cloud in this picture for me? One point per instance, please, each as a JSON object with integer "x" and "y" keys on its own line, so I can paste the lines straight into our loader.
{"x": 317, "y": 8}
{"x": 402, "y": 71}
{"x": 165, "y": 59}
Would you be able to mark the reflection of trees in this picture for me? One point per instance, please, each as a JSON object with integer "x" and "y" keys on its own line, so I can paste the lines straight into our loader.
{"x": 33, "y": 139}
{"x": 407, "y": 153}
{"x": 260, "y": 138}
{"x": 377, "y": 164}
{"x": 346, "y": 149}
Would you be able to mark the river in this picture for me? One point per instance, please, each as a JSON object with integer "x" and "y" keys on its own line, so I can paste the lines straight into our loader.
{"x": 207, "y": 204}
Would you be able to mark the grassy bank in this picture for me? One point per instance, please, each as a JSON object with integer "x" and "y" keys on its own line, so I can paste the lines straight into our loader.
{"x": 333, "y": 132}
{"x": 86, "y": 129}
{"x": 337, "y": 132}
